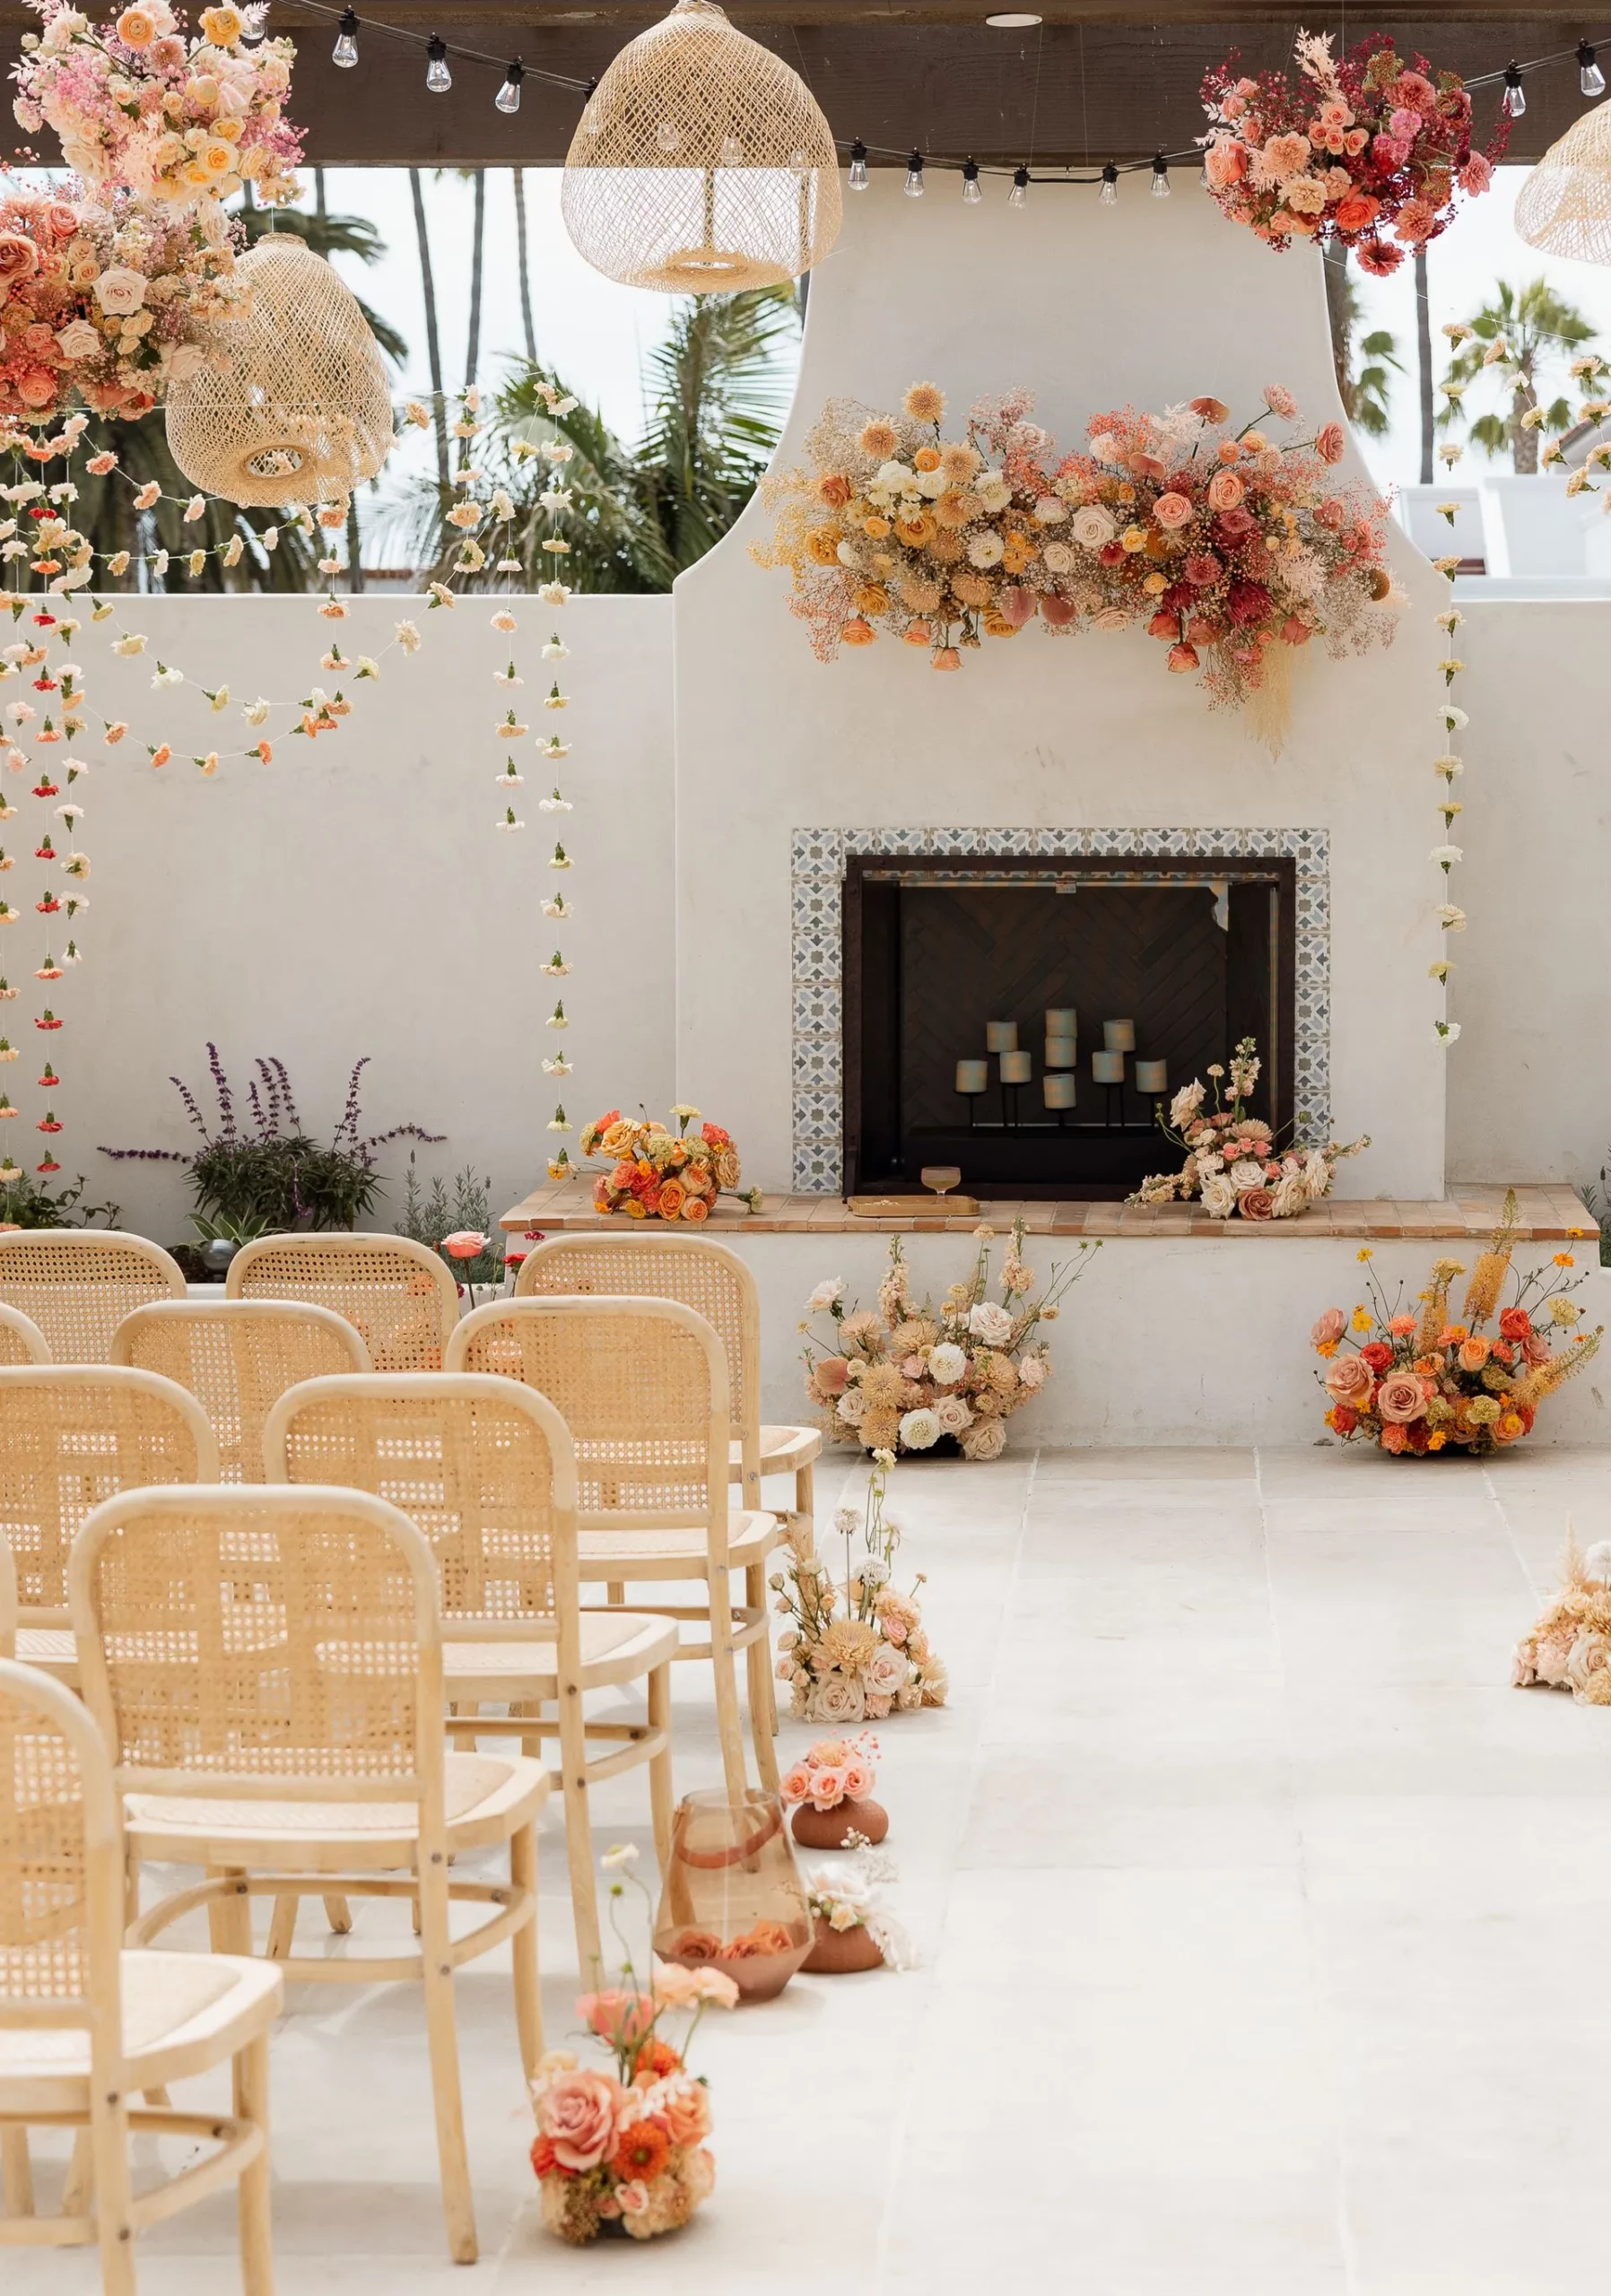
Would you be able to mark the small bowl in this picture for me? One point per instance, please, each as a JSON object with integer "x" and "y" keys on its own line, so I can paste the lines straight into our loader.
{"x": 941, "y": 1177}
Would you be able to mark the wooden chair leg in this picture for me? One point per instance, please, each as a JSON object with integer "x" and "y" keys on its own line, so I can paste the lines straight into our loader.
{"x": 339, "y": 1913}
{"x": 80, "y": 2187}
{"x": 16, "y": 2172}
{"x": 802, "y": 1531}
{"x": 282, "y": 1929}
{"x": 615, "y": 1593}
{"x": 229, "y": 1918}
{"x": 251, "y": 2077}
{"x": 578, "y": 1834}
{"x": 660, "y": 1794}
{"x": 441, "y": 2034}
{"x": 522, "y": 1946}
{"x": 763, "y": 1719}
{"x": 729, "y": 1726}
{"x": 114, "y": 2194}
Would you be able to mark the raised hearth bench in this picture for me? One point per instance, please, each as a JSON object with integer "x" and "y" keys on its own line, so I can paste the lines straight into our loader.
{"x": 1183, "y": 1330}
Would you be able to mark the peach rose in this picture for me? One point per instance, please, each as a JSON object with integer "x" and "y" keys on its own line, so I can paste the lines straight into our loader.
{"x": 685, "y": 2107}
{"x": 136, "y": 28}
{"x": 575, "y": 2112}
{"x": 621, "y": 2019}
{"x": 1256, "y": 1204}
{"x": 1183, "y": 659}
{"x": 1474, "y": 1353}
{"x": 1172, "y": 510}
{"x": 1349, "y": 1380}
{"x": 1225, "y": 490}
{"x": 1225, "y": 162}
{"x": 18, "y": 258}
{"x": 1400, "y": 1399}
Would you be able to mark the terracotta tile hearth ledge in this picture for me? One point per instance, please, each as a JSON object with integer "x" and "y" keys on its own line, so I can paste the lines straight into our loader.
{"x": 1551, "y": 1215}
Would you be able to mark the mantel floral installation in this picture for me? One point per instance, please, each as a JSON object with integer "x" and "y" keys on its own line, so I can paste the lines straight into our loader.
{"x": 1231, "y": 546}
{"x": 904, "y": 1377}
{"x": 856, "y": 1652}
{"x": 1346, "y": 149}
{"x": 655, "y": 1174}
{"x": 625, "y": 2152}
{"x": 1232, "y": 1163}
{"x": 1570, "y": 1648}
{"x": 1414, "y": 1381}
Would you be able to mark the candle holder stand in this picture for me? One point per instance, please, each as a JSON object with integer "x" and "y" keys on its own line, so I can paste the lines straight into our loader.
{"x": 1113, "y": 1095}
{"x": 973, "y": 1100}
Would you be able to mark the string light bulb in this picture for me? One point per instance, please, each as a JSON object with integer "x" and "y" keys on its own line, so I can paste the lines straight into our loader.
{"x": 439, "y": 79}
{"x": 345, "y": 51}
{"x": 971, "y": 194}
{"x": 1160, "y": 176}
{"x": 508, "y": 98}
{"x": 1109, "y": 194}
{"x": 1591, "y": 78}
{"x": 913, "y": 185}
{"x": 859, "y": 165}
{"x": 1513, "y": 102}
{"x": 1019, "y": 195}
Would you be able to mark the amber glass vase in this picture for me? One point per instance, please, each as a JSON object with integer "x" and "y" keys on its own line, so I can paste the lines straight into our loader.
{"x": 734, "y": 1899}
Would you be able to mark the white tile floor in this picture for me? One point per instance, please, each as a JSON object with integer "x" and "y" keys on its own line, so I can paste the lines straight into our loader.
{"x": 1265, "y": 1933}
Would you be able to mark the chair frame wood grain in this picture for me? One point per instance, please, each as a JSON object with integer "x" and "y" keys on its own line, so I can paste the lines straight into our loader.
{"x": 471, "y": 1635}
{"x": 729, "y": 1627}
{"x": 67, "y": 1296}
{"x": 96, "y": 2101}
{"x": 328, "y": 1251}
{"x": 412, "y": 1862}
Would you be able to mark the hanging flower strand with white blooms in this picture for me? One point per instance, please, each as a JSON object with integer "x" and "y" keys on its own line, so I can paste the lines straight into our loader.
{"x": 1447, "y": 767}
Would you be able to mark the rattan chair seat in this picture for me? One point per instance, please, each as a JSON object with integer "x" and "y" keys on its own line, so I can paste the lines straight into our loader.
{"x": 784, "y": 1450}
{"x": 170, "y": 2002}
{"x": 673, "y": 1553}
{"x": 482, "y": 1795}
{"x": 617, "y": 1646}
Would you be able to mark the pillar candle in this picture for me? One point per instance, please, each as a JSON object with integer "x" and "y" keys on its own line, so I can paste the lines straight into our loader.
{"x": 1119, "y": 1036}
{"x": 1108, "y": 1067}
{"x": 1061, "y": 1052}
{"x": 1062, "y": 1021}
{"x": 1060, "y": 1091}
{"x": 1001, "y": 1036}
{"x": 1014, "y": 1067}
{"x": 1152, "y": 1075}
{"x": 972, "y": 1076}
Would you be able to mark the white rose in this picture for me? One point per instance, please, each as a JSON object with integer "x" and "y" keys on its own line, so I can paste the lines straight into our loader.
{"x": 1317, "y": 1175}
{"x": 826, "y": 1294}
{"x": 78, "y": 340}
{"x": 184, "y": 362}
{"x": 887, "y": 1672}
{"x": 853, "y": 1406}
{"x": 1092, "y": 527}
{"x": 947, "y": 1363}
{"x": 1290, "y": 1198}
{"x": 991, "y": 1324}
{"x": 954, "y": 1414}
{"x": 1246, "y": 1173}
{"x": 993, "y": 492}
{"x": 985, "y": 550}
{"x": 120, "y": 291}
{"x": 1219, "y": 1197}
{"x": 984, "y": 1440}
{"x": 1059, "y": 558}
{"x": 1033, "y": 1371}
{"x": 1590, "y": 1656}
{"x": 920, "y": 1431}
{"x": 838, "y": 1699}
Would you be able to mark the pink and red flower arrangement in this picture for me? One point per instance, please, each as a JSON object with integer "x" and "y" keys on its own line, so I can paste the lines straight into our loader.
{"x": 1348, "y": 151}
{"x": 1414, "y": 1381}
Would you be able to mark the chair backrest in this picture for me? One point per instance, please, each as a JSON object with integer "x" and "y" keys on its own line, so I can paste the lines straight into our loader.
{"x": 21, "y": 1339}
{"x": 61, "y": 1864}
{"x": 396, "y": 1294}
{"x": 642, "y": 1387}
{"x": 249, "y": 1641}
{"x": 71, "y": 1434}
{"x": 483, "y": 1467}
{"x": 703, "y": 1274}
{"x": 237, "y": 1357}
{"x": 8, "y": 1600}
{"x": 78, "y": 1283}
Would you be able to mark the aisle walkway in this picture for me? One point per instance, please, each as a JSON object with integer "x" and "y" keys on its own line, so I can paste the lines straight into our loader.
{"x": 1265, "y": 1932}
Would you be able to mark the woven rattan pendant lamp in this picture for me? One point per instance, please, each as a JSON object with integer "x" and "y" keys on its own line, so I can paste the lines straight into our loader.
{"x": 701, "y": 164}
{"x": 291, "y": 403}
{"x": 1564, "y": 206}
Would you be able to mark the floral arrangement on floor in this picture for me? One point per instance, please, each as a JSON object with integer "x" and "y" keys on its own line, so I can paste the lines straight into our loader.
{"x": 659, "y": 1174}
{"x": 1346, "y": 149}
{"x": 625, "y": 2151}
{"x": 1417, "y": 1383}
{"x": 1232, "y": 1163}
{"x": 185, "y": 119}
{"x": 833, "y": 1771}
{"x": 844, "y": 1900}
{"x": 904, "y": 1377}
{"x": 1570, "y": 1648}
{"x": 1225, "y": 542}
{"x": 858, "y": 1651}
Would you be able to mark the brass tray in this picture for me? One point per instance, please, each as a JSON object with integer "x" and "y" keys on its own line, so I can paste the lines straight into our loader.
{"x": 914, "y": 1207}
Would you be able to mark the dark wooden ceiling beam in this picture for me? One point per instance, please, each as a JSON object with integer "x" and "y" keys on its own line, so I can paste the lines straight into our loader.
{"x": 1082, "y": 87}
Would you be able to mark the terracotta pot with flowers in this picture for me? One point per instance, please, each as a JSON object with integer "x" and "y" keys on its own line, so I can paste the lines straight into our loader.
{"x": 830, "y": 1787}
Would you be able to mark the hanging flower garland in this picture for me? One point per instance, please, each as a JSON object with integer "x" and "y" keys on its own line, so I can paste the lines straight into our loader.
{"x": 1447, "y": 767}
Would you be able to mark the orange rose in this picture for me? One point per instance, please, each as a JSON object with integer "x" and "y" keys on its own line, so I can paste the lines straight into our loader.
{"x": 871, "y": 600}
{"x": 857, "y": 633}
{"x": 1225, "y": 490}
{"x": 822, "y": 545}
{"x": 686, "y": 2112}
{"x": 915, "y": 531}
{"x": 1474, "y": 1352}
{"x": 673, "y": 1196}
{"x": 696, "y": 1208}
{"x": 833, "y": 489}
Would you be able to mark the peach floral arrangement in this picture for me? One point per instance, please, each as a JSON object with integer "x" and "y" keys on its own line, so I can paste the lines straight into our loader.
{"x": 1570, "y": 1648}
{"x": 833, "y": 1771}
{"x": 1232, "y": 1163}
{"x": 624, "y": 2151}
{"x": 905, "y": 1377}
{"x": 142, "y": 106}
{"x": 659, "y": 1174}
{"x": 1420, "y": 1382}
{"x": 1227, "y": 544}
{"x": 858, "y": 1651}
{"x": 845, "y": 1897}
{"x": 1344, "y": 151}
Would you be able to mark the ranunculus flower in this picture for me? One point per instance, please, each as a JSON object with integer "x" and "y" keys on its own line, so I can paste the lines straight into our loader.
{"x": 1400, "y": 1398}
{"x": 1378, "y": 1355}
{"x": 1348, "y": 1379}
{"x": 575, "y": 2112}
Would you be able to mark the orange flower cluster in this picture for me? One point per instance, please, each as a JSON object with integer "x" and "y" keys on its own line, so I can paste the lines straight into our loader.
{"x": 659, "y": 1174}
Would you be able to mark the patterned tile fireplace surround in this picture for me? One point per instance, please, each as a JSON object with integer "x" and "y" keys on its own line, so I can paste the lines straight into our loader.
{"x": 817, "y": 875}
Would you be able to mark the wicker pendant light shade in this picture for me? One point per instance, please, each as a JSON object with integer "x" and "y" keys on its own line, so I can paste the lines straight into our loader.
{"x": 291, "y": 404}
{"x": 1564, "y": 206}
{"x": 701, "y": 164}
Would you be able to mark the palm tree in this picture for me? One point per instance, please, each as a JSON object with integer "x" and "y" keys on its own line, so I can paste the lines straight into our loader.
{"x": 1365, "y": 390}
{"x": 1516, "y": 338}
{"x": 434, "y": 347}
{"x": 531, "y": 337}
{"x": 717, "y": 393}
{"x": 477, "y": 250}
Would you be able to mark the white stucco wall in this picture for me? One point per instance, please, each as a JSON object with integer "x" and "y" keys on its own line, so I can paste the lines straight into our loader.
{"x": 1151, "y": 303}
{"x": 353, "y": 898}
